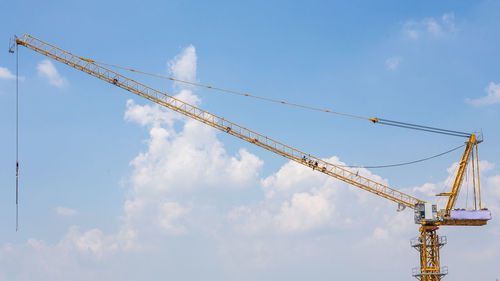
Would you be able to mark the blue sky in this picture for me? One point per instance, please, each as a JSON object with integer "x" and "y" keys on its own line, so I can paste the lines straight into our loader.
{"x": 115, "y": 188}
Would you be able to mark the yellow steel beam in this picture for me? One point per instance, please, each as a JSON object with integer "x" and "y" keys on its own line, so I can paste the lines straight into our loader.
{"x": 478, "y": 181}
{"x": 463, "y": 222}
{"x": 462, "y": 166}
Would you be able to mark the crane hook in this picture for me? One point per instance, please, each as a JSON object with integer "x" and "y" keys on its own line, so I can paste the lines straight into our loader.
{"x": 401, "y": 207}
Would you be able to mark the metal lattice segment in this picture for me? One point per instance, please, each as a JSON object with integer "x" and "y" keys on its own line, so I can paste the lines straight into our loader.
{"x": 92, "y": 68}
{"x": 428, "y": 244}
{"x": 417, "y": 243}
{"x": 417, "y": 273}
{"x": 460, "y": 174}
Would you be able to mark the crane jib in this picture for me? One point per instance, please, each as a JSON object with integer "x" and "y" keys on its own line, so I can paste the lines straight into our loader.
{"x": 88, "y": 66}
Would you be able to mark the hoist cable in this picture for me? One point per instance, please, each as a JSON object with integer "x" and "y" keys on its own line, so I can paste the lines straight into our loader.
{"x": 17, "y": 138}
{"x": 404, "y": 163}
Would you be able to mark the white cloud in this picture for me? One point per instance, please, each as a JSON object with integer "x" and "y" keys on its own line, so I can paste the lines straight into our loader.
{"x": 148, "y": 211}
{"x": 47, "y": 70}
{"x": 251, "y": 221}
{"x": 179, "y": 160}
{"x": 183, "y": 66}
{"x": 494, "y": 184}
{"x": 432, "y": 26}
{"x": 448, "y": 21}
{"x": 411, "y": 31}
{"x": 6, "y": 74}
{"x": 436, "y": 27}
{"x": 294, "y": 178}
{"x": 149, "y": 114}
{"x": 492, "y": 96}
{"x": 393, "y": 63}
{"x": 176, "y": 160}
{"x": 92, "y": 241}
{"x": 187, "y": 96}
{"x": 380, "y": 234}
{"x": 63, "y": 211}
{"x": 304, "y": 212}
{"x": 428, "y": 188}
{"x": 169, "y": 213}
{"x": 307, "y": 200}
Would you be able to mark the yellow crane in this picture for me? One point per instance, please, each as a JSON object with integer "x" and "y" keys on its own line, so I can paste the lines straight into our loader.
{"x": 428, "y": 243}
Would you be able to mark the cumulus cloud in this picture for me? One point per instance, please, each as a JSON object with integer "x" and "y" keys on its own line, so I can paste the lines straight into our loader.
{"x": 380, "y": 234}
{"x": 149, "y": 209}
{"x": 300, "y": 200}
{"x": 93, "y": 241}
{"x": 47, "y": 70}
{"x": 182, "y": 156}
{"x": 149, "y": 114}
{"x": 6, "y": 74}
{"x": 494, "y": 185}
{"x": 435, "y": 27}
{"x": 169, "y": 213}
{"x": 492, "y": 96}
{"x": 304, "y": 212}
{"x": 427, "y": 188}
{"x": 393, "y": 63}
{"x": 181, "y": 159}
{"x": 67, "y": 212}
{"x": 183, "y": 66}
{"x": 38, "y": 260}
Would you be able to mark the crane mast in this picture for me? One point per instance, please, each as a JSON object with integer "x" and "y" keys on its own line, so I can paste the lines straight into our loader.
{"x": 427, "y": 215}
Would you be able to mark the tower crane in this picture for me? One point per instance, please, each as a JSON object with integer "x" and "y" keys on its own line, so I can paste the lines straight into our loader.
{"x": 426, "y": 215}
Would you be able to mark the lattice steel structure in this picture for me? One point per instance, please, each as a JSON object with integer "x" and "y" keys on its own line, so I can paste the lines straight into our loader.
{"x": 428, "y": 245}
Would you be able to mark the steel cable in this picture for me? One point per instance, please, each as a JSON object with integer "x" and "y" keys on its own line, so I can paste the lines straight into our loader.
{"x": 404, "y": 163}
{"x": 374, "y": 120}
